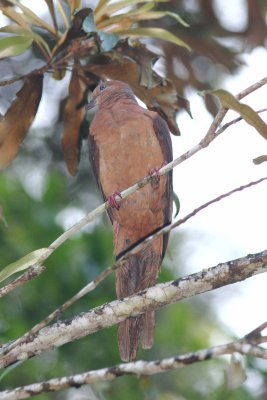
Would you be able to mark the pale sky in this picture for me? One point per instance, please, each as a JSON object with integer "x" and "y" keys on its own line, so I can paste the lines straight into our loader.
{"x": 236, "y": 226}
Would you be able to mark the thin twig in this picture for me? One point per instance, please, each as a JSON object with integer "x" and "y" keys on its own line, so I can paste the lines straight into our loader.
{"x": 138, "y": 368}
{"x": 32, "y": 272}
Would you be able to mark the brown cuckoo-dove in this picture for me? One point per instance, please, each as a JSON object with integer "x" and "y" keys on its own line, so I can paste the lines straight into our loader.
{"x": 126, "y": 143}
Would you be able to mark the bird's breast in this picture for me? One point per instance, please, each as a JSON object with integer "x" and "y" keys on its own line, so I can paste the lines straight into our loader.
{"x": 128, "y": 150}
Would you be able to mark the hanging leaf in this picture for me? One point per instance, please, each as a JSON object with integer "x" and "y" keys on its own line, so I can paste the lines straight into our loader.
{"x": 133, "y": 65}
{"x": 14, "y": 45}
{"x": 177, "y": 204}
{"x": 74, "y": 4}
{"x": 106, "y": 40}
{"x": 51, "y": 8}
{"x": 33, "y": 17}
{"x": 16, "y": 122}
{"x": 15, "y": 16}
{"x": 246, "y": 112}
{"x": 126, "y": 20}
{"x": 112, "y": 7}
{"x": 73, "y": 117}
{"x": 156, "y": 33}
{"x": 24, "y": 263}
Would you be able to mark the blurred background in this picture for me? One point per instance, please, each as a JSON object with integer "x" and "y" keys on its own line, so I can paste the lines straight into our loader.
{"x": 40, "y": 200}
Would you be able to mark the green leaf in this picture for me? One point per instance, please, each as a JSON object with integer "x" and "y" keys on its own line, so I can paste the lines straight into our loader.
{"x": 10, "y": 368}
{"x": 89, "y": 24}
{"x": 16, "y": 29}
{"x": 14, "y": 45}
{"x": 26, "y": 32}
{"x": 24, "y": 263}
{"x": 33, "y": 17}
{"x": 157, "y": 33}
{"x": 118, "y": 5}
{"x": 108, "y": 40}
{"x": 246, "y": 112}
{"x": 177, "y": 204}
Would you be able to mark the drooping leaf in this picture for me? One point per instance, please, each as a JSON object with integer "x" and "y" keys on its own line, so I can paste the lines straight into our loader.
{"x": 260, "y": 159}
{"x": 156, "y": 33}
{"x": 33, "y": 17}
{"x": 112, "y": 7}
{"x": 51, "y": 7}
{"x": 89, "y": 23}
{"x": 26, "y": 31}
{"x": 63, "y": 14}
{"x": 126, "y": 20}
{"x": 15, "y": 123}
{"x": 10, "y": 368}
{"x": 73, "y": 117}
{"x": 14, "y": 45}
{"x": 15, "y": 16}
{"x": 177, "y": 203}
{"x": 23, "y": 263}
{"x": 246, "y": 112}
{"x": 133, "y": 65}
{"x": 106, "y": 40}
{"x": 16, "y": 29}
{"x": 74, "y": 4}
{"x": 100, "y": 5}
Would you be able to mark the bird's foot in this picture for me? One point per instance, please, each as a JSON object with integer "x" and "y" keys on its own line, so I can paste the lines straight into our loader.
{"x": 112, "y": 200}
{"x": 154, "y": 173}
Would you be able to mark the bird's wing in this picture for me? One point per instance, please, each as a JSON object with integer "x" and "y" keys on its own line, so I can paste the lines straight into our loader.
{"x": 94, "y": 161}
{"x": 164, "y": 138}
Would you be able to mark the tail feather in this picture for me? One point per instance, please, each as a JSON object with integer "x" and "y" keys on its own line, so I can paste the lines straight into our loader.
{"x": 138, "y": 272}
{"x": 148, "y": 329}
{"x": 129, "y": 336}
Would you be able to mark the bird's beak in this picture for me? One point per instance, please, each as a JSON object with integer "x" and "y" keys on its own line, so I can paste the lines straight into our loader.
{"x": 91, "y": 105}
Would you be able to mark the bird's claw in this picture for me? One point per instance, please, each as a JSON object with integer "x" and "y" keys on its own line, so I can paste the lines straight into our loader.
{"x": 112, "y": 200}
{"x": 155, "y": 176}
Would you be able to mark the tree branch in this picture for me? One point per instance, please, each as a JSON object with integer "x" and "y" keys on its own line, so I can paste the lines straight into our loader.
{"x": 152, "y": 298}
{"x": 32, "y": 272}
{"x": 99, "y": 278}
{"x": 210, "y": 136}
{"x": 243, "y": 346}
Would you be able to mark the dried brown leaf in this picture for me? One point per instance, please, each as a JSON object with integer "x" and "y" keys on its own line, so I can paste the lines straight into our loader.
{"x": 16, "y": 122}
{"x": 133, "y": 65}
{"x": 73, "y": 117}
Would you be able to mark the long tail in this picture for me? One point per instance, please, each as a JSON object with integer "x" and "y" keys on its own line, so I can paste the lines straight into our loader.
{"x": 140, "y": 271}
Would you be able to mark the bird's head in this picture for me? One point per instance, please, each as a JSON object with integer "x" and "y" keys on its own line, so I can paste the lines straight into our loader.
{"x": 107, "y": 93}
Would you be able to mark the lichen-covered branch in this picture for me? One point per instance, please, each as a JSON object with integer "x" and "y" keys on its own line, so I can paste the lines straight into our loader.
{"x": 212, "y": 133}
{"x": 150, "y": 299}
{"x": 246, "y": 346}
{"x": 99, "y": 278}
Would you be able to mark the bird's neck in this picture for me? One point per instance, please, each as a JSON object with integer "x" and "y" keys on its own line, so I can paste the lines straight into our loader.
{"x": 117, "y": 99}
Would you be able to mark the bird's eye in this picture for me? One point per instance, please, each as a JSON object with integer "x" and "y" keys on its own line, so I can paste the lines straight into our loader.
{"x": 102, "y": 87}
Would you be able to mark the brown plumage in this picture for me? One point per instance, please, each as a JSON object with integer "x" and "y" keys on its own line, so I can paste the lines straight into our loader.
{"x": 126, "y": 142}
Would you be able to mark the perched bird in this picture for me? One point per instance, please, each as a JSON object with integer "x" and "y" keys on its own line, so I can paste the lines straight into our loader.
{"x": 126, "y": 143}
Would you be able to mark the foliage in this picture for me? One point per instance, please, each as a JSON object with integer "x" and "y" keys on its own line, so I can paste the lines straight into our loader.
{"x": 79, "y": 48}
